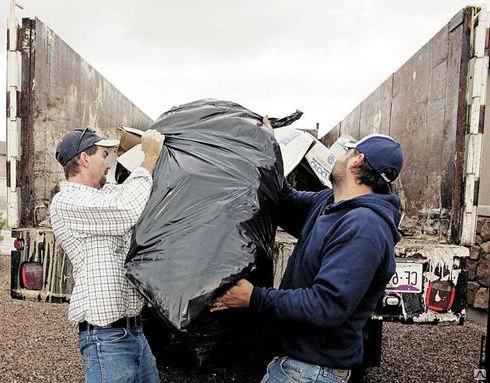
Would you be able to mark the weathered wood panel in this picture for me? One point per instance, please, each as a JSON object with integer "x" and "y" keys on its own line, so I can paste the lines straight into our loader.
{"x": 63, "y": 92}
{"x": 421, "y": 106}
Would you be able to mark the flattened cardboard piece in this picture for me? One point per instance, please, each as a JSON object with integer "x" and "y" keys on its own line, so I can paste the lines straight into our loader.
{"x": 321, "y": 159}
{"x": 294, "y": 144}
{"x": 130, "y": 137}
{"x": 137, "y": 132}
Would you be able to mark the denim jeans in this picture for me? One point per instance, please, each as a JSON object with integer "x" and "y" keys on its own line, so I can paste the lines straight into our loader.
{"x": 117, "y": 355}
{"x": 288, "y": 370}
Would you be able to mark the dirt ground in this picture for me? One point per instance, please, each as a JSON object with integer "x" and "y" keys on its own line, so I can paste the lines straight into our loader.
{"x": 39, "y": 345}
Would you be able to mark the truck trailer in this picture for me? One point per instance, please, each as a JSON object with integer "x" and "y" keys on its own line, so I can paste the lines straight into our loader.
{"x": 434, "y": 105}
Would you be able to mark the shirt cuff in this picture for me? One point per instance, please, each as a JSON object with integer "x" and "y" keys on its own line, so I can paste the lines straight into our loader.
{"x": 141, "y": 172}
{"x": 255, "y": 299}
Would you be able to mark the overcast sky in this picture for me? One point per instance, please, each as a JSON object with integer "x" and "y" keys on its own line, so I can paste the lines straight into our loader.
{"x": 272, "y": 56}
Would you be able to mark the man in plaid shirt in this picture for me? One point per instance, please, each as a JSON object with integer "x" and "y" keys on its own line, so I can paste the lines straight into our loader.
{"x": 93, "y": 223}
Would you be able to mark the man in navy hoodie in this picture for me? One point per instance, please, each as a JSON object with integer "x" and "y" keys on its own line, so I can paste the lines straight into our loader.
{"x": 339, "y": 268}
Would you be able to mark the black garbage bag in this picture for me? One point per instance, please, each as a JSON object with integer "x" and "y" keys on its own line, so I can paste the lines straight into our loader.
{"x": 211, "y": 217}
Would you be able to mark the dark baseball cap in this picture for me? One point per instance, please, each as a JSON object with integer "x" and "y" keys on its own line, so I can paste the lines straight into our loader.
{"x": 79, "y": 140}
{"x": 382, "y": 153}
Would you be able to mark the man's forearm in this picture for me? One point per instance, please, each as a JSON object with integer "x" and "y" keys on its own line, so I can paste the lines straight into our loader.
{"x": 149, "y": 163}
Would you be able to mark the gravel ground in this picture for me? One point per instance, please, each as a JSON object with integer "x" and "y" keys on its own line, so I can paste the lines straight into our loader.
{"x": 39, "y": 345}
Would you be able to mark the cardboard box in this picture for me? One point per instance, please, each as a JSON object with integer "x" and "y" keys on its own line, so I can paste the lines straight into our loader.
{"x": 296, "y": 145}
{"x": 321, "y": 159}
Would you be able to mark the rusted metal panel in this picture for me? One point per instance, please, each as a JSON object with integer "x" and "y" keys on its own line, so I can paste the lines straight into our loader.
{"x": 25, "y": 173}
{"x": 63, "y": 92}
{"x": 455, "y": 117}
{"x": 418, "y": 133}
{"x": 376, "y": 110}
{"x": 421, "y": 105}
{"x": 351, "y": 124}
{"x": 456, "y": 20}
{"x": 329, "y": 138}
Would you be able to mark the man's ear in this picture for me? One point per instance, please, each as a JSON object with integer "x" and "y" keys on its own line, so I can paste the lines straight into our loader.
{"x": 83, "y": 161}
{"x": 356, "y": 161}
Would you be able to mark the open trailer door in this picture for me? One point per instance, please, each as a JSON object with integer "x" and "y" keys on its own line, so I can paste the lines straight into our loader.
{"x": 51, "y": 89}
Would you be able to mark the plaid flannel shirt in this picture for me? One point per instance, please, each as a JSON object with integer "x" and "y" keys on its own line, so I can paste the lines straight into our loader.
{"x": 94, "y": 227}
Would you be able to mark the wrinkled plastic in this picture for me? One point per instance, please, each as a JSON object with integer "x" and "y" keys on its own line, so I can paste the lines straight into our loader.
{"x": 211, "y": 217}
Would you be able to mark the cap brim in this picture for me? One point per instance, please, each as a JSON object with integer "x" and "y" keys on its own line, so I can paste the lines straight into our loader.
{"x": 350, "y": 145}
{"x": 107, "y": 143}
{"x": 347, "y": 142}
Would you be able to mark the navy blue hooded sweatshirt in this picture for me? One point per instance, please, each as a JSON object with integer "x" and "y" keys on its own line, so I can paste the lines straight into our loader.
{"x": 335, "y": 276}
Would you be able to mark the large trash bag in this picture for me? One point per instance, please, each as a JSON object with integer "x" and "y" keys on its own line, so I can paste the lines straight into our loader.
{"x": 211, "y": 217}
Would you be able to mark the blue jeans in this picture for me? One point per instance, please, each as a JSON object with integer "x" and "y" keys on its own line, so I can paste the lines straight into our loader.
{"x": 288, "y": 370}
{"x": 117, "y": 355}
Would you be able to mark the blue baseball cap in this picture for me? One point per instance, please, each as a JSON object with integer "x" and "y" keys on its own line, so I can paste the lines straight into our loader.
{"x": 79, "y": 140}
{"x": 382, "y": 153}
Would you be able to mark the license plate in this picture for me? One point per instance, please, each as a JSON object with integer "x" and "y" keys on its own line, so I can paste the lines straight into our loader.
{"x": 407, "y": 278}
